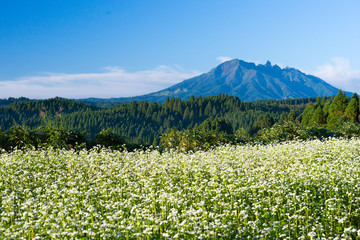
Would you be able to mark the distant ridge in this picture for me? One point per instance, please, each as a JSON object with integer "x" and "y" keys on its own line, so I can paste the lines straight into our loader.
{"x": 245, "y": 80}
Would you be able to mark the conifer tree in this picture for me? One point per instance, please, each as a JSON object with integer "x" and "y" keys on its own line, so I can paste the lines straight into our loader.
{"x": 283, "y": 118}
{"x": 307, "y": 115}
{"x": 291, "y": 116}
{"x": 214, "y": 111}
{"x": 186, "y": 114}
{"x": 352, "y": 109}
{"x": 326, "y": 108}
{"x": 263, "y": 121}
{"x": 319, "y": 116}
{"x": 208, "y": 109}
{"x": 337, "y": 108}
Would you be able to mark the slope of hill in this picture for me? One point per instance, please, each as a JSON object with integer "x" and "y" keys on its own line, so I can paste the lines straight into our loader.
{"x": 245, "y": 80}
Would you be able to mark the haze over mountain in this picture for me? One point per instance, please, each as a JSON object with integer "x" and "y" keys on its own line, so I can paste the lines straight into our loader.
{"x": 245, "y": 80}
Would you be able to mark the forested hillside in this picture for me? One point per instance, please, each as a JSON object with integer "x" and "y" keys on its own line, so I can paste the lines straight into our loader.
{"x": 144, "y": 122}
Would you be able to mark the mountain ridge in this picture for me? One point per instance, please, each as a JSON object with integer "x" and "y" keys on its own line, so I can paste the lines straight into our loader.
{"x": 246, "y": 80}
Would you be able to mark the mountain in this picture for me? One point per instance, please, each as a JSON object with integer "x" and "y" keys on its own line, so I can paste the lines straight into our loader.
{"x": 248, "y": 81}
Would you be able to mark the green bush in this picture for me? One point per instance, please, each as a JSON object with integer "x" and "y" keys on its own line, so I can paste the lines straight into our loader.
{"x": 108, "y": 138}
{"x": 195, "y": 139}
{"x": 21, "y": 136}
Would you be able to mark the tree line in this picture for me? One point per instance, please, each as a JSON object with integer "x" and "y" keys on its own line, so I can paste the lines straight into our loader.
{"x": 198, "y": 123}
{"x": 337, "y": 116}
{"x": 143, "y": 122}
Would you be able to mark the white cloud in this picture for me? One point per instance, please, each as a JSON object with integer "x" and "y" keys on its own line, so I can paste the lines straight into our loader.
{"x": 222, "y": 59}
{"x": 339, "y": 74}
{"x": 112, "y": 82}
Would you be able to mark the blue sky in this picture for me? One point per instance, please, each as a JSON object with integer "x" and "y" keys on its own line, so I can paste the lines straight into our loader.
{"x": 93, "y": 48}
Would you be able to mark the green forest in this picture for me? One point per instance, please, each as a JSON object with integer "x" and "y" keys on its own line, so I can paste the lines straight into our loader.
{"x": 197, "y": 123}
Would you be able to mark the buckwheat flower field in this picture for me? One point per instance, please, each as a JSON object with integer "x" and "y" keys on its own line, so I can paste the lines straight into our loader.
{"x": 297, "y": 190}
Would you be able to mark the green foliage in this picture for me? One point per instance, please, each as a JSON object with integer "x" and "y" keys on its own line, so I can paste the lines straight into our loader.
{"x": 209, "y": 121}
{"x": 291, "y": 117}
{"x": 315, "y": 114}
{"x": 216, "y": 125}
{"x": 307, "y": 115}
{"x": 347, "y": 129}
{"x": 290, "y": 131}
{"x": 57, "y": 138}
{"x": 263, "y": 121}
{"x": 63, "y": 123}
{"x": 337, "y": 108}
{"x": 143, "y": 122}
{"x": 4, "y": 140}
{"x": 108, "y": 138}
{"x": 339, "y": 115}
{"x": 242, "y": 135}
{"x": 6, "y": 102}
{"x": 194, "y": 139}
{"x": 318, "y": 117}
{"x": 352, "y": 109}
{"x": 66, "y": 138}
{"x": 21, "y": 136}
